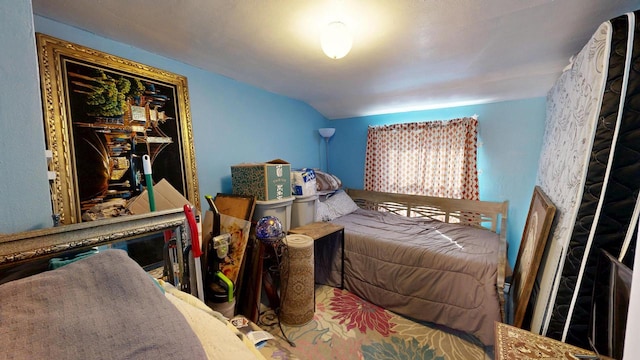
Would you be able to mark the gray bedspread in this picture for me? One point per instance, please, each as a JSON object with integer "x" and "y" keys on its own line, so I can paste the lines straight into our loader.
{"x": 424, "y": 269}
{"x": 101, "y": 307}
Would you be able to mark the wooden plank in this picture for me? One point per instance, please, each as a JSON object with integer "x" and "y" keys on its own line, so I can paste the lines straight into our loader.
{"x": 317, "y": 230}
{"x": 429, "y": 206}
{"x": 238, "y": 206}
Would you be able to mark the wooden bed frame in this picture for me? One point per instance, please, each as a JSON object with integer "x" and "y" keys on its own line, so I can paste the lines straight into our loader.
{"x": 486, "y": 214}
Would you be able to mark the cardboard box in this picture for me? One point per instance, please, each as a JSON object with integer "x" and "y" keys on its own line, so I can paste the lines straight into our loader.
{"x": 166, "y": 198}
{"x": 265, "y": 181}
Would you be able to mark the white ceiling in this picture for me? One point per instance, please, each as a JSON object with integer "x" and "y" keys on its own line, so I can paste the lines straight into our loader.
{"x": 407, "y": 54}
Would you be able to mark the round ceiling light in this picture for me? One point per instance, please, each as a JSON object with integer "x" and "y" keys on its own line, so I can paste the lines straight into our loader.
{"x": 336, "y": 40}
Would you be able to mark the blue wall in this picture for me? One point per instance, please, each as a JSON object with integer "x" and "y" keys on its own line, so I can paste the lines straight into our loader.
{"x": 24, "y": 188}
{"x": 232, "y": 122}
{"x": 510, "y": 138}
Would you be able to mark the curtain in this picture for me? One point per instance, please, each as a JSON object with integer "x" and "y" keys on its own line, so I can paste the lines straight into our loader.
{"x": 435, "y": 158}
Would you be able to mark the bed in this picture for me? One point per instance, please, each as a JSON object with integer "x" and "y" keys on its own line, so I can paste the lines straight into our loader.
{"x": 103, "y": 305}
{"x": 430, "y": 259}
{"x": 589, "y": 168}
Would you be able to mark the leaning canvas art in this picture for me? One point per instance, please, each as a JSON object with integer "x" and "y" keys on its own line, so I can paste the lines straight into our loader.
{"x": 534, "y": 237}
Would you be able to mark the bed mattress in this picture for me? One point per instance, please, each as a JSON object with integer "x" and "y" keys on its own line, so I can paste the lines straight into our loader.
{"x": 424, "y": 269}
{"x": 589, "y": 168}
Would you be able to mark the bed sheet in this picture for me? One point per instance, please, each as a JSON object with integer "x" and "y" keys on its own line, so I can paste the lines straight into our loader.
{"x": 424, "y": 269}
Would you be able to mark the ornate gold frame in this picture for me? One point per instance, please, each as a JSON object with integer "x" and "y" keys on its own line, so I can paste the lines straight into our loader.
{"x": 54, "y": 55}
{"x": 54, "y": 241}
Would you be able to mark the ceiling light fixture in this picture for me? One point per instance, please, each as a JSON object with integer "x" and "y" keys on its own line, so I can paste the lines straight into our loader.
{"x": 336, "y": 40}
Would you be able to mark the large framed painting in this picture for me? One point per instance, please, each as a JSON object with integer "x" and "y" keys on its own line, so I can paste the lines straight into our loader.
{"x": 102, "y": 114}
{"x": 534, "y": 237}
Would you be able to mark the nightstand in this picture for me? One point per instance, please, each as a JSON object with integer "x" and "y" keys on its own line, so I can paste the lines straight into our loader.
{"x": 324, "y": 234}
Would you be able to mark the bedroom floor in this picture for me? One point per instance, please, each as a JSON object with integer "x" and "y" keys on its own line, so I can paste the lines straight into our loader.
{"x": 347, "y": 327}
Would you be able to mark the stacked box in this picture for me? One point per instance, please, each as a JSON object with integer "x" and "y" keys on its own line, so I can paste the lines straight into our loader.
{"x": 265, "y": 181}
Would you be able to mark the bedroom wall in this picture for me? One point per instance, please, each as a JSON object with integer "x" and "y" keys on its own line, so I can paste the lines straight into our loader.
{"x": 24, "y": 189}
{"x": 232, "y": 122}
{"x": 509, "y": 137}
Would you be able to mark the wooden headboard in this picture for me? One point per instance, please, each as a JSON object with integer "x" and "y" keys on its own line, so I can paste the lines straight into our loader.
{"x": 467, "y": 212}
{"x": 486, "y": 214}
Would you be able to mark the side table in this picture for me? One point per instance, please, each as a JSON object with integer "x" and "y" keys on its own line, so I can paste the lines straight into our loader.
{"x": 323, "y": 231}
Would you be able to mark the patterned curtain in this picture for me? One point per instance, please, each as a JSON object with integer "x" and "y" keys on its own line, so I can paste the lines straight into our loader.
{"x": 435, "y": 158}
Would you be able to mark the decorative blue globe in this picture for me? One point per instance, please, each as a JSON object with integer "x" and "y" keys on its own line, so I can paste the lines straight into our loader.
{"x": 269, "y": 229}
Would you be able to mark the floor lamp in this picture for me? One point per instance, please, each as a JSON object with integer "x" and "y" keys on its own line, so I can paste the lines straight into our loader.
{"x": 327, "y": 133}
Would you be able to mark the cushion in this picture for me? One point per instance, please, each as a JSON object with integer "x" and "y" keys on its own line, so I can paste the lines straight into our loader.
{"x": 338, "y": 204}
{"x": 327, "y": 182}
{"x": 322, "y": 212}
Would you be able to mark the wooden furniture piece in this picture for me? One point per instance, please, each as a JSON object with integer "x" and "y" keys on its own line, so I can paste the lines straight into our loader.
{"x": 320, "y": 232}
{"x": 467, "y": 212}
{"x": 396, "y": 224}
{"x": 513, "y": 343}
{"x": 489, "y": 214}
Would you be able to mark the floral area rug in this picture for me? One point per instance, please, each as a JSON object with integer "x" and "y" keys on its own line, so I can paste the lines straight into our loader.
{"x": 347, "y": 327}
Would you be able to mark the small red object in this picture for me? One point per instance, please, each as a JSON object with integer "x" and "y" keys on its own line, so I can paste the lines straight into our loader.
{"x": 193, "y": 227}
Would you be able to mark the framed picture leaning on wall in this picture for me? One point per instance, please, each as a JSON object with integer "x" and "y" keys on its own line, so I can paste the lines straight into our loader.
{"x": 102, "y": 113}
{"x": 534, "y": 237}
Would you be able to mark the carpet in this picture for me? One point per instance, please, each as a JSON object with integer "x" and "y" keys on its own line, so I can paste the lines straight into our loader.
{"x": 345, "y": 326}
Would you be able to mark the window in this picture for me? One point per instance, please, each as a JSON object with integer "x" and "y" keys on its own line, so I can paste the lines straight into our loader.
{"x": 435, "y": 158}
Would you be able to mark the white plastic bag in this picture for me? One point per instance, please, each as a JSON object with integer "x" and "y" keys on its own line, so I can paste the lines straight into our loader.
{"x": 303, "y": 182}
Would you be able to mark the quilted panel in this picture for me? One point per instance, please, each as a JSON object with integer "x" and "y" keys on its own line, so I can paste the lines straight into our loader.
{"x": 573, "y": 106}
{"x": 610, "y": 191}
{"x": 622, "y": 193}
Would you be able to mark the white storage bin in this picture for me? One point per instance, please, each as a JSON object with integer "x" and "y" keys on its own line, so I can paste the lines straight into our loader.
{"x": 278, "y": 208}
{"x": 303, "y": 210}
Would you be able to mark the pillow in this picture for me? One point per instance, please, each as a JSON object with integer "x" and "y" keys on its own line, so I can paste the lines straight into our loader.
{"x": 327, "y": 182}
{"x": 337, "y": 205}
{"x": 322, "y": 212}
